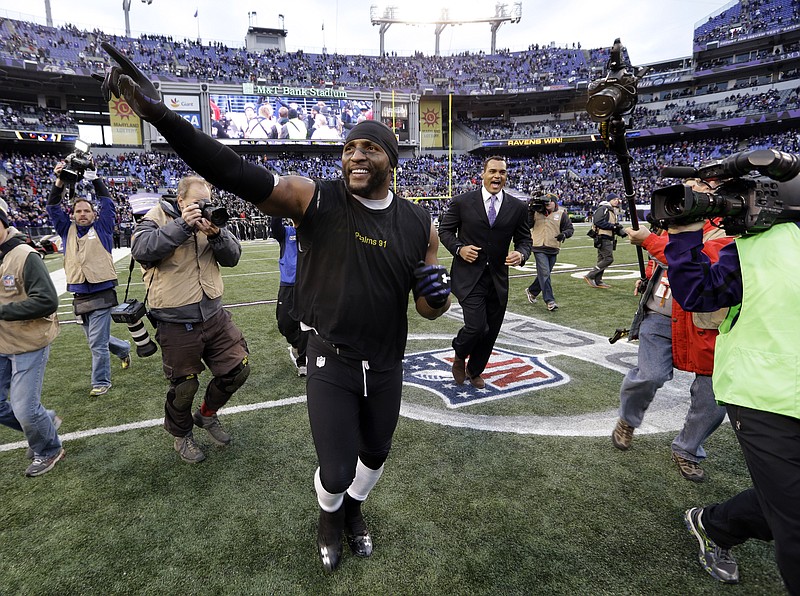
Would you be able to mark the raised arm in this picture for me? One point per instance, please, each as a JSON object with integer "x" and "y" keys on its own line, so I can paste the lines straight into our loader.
{"x": 285, "y": 196}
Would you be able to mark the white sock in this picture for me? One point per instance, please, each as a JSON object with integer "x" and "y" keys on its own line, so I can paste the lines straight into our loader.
{"x": 365, "y": 480}
{"x": 329, "y": 502}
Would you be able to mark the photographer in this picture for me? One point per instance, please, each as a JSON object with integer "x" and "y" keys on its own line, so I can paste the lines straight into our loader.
{"x": 606, "y": 227}
{"x": 181, "y": 252}
{"x": 550, "y": 226}
{"x": 28, "y": 325}
{"x": 88, "y": 239}
{"x": 755, "y": 376}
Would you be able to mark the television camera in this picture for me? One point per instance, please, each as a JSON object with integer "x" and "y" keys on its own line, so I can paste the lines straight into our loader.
{"x": 747, "y": 203}
{"x": 77, "y": 162}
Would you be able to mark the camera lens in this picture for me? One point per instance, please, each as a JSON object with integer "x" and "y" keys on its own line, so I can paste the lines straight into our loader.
{"x": 602, "y": 105}
{"x": 216, "y": 215}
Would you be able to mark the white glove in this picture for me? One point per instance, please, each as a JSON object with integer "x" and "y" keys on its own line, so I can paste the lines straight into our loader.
{"x": 90, "y": 175}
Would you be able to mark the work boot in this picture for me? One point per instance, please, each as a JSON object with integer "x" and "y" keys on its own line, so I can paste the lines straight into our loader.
{"x": 212, "y": 425}
{"x": 622, "y": 435}
{"x": 188, "y": 449}
{"x": 689, "y": 469}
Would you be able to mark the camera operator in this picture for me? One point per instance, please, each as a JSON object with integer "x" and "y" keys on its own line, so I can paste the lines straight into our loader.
{"x": 755, "y": 377}
{"x": 88, "y": 239}
{"x": 670, "y": 337}
{"x": 550, "y": 226}
{"x": 181, "y": 253}
{"x": 606, "y": 227}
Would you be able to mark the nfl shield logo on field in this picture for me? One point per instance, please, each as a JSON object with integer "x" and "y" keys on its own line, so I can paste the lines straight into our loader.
{"x": 507, "y": 373}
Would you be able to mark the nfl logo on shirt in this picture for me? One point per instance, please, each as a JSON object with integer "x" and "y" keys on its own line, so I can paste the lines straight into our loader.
{"x": 507, "y": 374}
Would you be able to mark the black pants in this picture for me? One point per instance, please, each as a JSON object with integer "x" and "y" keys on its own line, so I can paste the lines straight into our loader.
{"x": 483, "y": 316}
{"x": 288, "y": 327}
{"x": 771, "y": 509}
{"x": 345, "y": 423}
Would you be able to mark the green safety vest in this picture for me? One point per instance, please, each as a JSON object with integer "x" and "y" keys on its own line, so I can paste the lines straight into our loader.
{"x": 757, "y": 360}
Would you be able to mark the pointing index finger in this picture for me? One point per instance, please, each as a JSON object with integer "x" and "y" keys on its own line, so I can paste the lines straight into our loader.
{"x": 125, "y": 63}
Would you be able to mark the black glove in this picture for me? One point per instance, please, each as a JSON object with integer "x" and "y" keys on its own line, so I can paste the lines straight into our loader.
{"x": 131, "y": 83}
{"x": 561, "y": 237}
{"x": 618, "y": 230}
{"x": 433, "y": 283}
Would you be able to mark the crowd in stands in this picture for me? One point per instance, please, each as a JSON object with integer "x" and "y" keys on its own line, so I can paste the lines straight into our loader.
{"x": 580, "y": 178}
{"x": 537, "y": 68}
{"x": 162, "y": 56}
{"x": 673, "y": 113}
{"x": 747, "y": 18}
{"x": 27, "y": 117}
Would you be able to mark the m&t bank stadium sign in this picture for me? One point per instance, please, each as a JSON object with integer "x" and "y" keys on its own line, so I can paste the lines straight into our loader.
{"x": 251, "y": 89}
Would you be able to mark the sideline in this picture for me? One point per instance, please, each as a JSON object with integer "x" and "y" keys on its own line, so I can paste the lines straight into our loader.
{"x": 109, "y": 430}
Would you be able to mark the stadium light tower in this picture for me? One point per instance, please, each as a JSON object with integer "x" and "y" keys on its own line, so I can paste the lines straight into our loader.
{"x": 126, "y": 8}
{"x": 502, "y": 14}
{"x": 48, "y": 13}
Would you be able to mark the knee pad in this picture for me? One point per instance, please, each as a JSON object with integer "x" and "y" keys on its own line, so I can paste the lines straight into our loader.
{"x": 229, "y": 383}
{"x": 184, "y": 389}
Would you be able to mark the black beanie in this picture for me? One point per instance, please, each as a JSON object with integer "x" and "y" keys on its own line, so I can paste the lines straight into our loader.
{"x": 4, "y": 217}
{"x": 378, "y": 133}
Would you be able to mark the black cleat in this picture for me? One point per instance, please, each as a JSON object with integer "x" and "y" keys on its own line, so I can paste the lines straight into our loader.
{"x": 358, "y": 537}
{"x": 329, "y": 538}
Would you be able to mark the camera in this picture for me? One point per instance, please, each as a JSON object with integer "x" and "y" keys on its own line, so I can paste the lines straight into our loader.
{"x": 614, "y": 95}
{"x": 746, "y": 202}
{"x": 214, "y": 213}
{"x": 539, "y": 204}
{"x": 77, "y": 162}
{"x": 131, "y": 312}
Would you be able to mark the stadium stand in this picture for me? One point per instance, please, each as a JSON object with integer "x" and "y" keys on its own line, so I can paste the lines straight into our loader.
{"x": 748, "y": 83}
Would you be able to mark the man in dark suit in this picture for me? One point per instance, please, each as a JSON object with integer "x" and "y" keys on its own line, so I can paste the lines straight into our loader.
{"x": 478, "y": 229}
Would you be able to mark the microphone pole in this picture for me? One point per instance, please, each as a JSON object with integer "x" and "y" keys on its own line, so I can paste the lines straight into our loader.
{"x": 613, "y": 133}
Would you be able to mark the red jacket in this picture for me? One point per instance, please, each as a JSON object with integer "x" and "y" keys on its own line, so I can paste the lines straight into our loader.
{"x": 692, "y": 347}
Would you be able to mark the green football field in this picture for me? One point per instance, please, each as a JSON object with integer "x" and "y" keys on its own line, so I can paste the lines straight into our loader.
{"x": 522, "y": 494}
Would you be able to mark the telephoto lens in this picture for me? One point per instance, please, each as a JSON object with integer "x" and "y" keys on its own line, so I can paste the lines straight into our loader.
{"x": 144, "y": 345}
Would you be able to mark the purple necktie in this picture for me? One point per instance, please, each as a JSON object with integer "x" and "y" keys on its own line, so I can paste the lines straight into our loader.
{"x": 492, "y": 211}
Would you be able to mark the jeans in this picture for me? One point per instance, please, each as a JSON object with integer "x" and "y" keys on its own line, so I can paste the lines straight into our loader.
{"x": 544, "y": 265}
{"x": 653, "y": 370}
{"x": 97, "y": 327}
{"x": 21, "y": 377}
